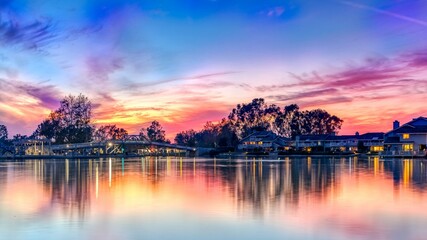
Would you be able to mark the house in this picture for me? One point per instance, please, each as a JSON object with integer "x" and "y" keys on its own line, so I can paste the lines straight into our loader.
{"x": 310, "y": 142}
{"x": 368, "y": 142}
{"x": 410, "y": 139}
{"x": 371, "y": 142}
{"x": 262, "y": 141}
{"x": 342, "y": 143}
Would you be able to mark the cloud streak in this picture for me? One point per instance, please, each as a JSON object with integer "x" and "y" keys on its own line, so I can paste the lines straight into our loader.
{"x": 384, "y": 12}
{"x": 31, "y": 36}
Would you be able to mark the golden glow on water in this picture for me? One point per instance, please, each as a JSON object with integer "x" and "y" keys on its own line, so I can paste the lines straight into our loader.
{"x": 407, "y": 171}
{"x": 376, "y": 165}
{"x": 109, "y": 172}
{"x": 97, "y": 182}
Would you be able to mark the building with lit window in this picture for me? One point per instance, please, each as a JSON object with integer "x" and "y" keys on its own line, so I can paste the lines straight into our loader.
{"x": 372, "y": 142}
{"x": 331, "y": 143}
{"x": 311, "y": 143}
{"x": 410, "y": 139}
{"x": 262, "y": 141}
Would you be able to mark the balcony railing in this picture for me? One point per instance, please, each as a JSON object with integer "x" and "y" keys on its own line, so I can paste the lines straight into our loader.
{"x": 403, "y": 153}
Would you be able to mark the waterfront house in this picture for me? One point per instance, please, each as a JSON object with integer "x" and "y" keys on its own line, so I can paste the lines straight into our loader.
{"x": 410, "y": 139}
{"x": 342, "y": 143}
{"x": 371, "y": 142}
{"x": 310, "y": 143}
{"x": 331, "y": 143}
{"x": 263, "y": 141}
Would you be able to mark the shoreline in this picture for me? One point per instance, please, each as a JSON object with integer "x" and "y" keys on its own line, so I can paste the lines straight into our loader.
{"x": 234, "y": 155}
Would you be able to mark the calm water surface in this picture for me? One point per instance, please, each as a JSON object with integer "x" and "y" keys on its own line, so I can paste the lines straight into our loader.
{"x": 175, "y": 198}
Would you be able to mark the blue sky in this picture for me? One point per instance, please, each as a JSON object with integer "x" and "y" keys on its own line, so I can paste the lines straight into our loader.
{"x": 145, "y": 60}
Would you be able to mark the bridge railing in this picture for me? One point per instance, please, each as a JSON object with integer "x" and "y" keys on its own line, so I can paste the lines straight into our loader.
{"x": 117, "y": 142}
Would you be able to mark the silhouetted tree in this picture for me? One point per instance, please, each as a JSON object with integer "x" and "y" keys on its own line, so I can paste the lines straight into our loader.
{"x": 212, "y": 135}
{"x": 70, "y": 123}
{"x": 319, "y": 121}
{"x": 254, "y": 116}
{"x": 259, "y": 116}
{"x": 286, "y": 123}
{"x": 186, "y": 138}
{"x": 155, "y": 133}
{"x": 20, "y": 137}
{"x": 110, "y": 132}
{"x": 3, "y": 133}
{"x": 293, "y": 122}
{"x": 227, "y": 136}
{"x": 208, "y": 136}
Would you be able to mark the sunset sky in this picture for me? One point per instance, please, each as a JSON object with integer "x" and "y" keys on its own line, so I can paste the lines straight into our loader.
{"x": 186, "y": 62}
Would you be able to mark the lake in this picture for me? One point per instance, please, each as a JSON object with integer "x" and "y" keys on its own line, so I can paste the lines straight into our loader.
{"x": 221, "y": 199}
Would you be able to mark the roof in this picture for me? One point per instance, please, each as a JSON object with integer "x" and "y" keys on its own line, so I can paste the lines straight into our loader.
{"x": 417, "y": 125}
{"x": 265, "y": 135}
{"x": 372, "y": 136}
{"x": 410, "y": 129}
{"x": 313, "y": 137}
{"x": 332, "y": 137}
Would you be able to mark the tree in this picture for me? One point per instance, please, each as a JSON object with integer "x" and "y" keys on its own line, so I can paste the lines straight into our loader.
{"x": 293, "y": 122}
{"x": 19, "y": 137}
{"x": 319, "y": 121}
{"x": 254, "y": 116}
{"x": 3, "y": 133}
{"x": 186, "y": 138}
{"x": 110, "y": 132}
{"x": 227, "y": 137}
{"x": 155, "y": 133}
{"x": 286, "y": 123}
{"x": 259, "y": 116}
{"x": 208, "y": 136}
{"x": 70, "y": 123}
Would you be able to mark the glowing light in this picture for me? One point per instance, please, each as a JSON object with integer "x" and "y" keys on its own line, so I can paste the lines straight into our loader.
{"x": 96, "y": 181}
{"x": 109, "y": 172}
{"x": 67, "y": 170}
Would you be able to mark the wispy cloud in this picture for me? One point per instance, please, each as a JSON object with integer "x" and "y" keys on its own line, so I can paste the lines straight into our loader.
{"x": 27, "y": 35}
{"x": 40, "y": 95}
{"x": 101, "y": 66}
{"x": 177, "y": 79}
{"x": 305, "y": 94}
{"x": 385, "y": 12}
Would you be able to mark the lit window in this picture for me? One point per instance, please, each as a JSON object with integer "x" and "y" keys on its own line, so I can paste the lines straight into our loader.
{"x": 408, "y": 147}
{"x": 406, "y": 136}
{"x": 259, "y": 143}
{"x": 377, "y": 148}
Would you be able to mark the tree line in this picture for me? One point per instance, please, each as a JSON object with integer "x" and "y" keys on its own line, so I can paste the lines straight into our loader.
{"x": 257, "y": 115}
{"x": 72, "y": 123}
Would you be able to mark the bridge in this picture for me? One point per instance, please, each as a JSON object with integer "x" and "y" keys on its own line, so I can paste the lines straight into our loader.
{"x": 131, "y": 145}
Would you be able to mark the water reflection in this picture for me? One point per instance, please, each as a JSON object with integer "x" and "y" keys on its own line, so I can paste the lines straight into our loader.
{"x": 321, "y": 198}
